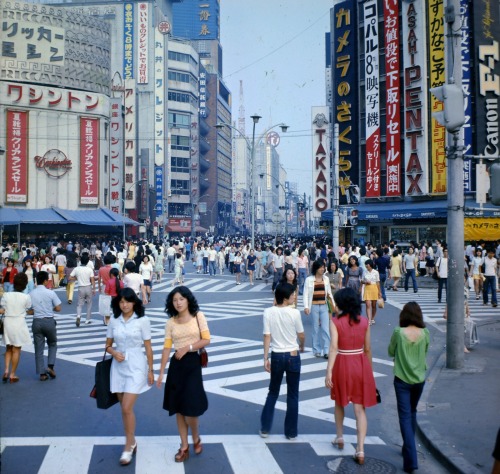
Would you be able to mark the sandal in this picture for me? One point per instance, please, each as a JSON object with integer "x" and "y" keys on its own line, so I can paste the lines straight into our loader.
{"x": 198, "y": 447}
{"x": 14, "y": 379}
{"x": 5, "y": 377}
{"x": 44, "y": 377}
{"x": 182, "y": 455}
{"x": 338, "y": 442}
{"x": 359, "y": 457}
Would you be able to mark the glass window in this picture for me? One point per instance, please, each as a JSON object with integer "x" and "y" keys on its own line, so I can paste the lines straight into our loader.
{"x": 176, "y": 119}
{"x": 404, "y": 234}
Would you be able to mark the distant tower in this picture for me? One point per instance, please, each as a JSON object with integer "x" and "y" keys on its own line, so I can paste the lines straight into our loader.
{"x": 241, "y": 117}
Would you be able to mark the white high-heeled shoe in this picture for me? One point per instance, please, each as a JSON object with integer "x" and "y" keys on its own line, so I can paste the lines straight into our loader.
{"x": 126, "y": 457}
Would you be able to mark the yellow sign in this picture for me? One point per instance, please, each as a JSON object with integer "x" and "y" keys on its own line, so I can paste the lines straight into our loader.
{"x": 482, "y": 228}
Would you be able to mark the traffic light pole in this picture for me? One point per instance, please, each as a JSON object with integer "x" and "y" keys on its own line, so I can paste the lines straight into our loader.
{"x": 455, "y": 237}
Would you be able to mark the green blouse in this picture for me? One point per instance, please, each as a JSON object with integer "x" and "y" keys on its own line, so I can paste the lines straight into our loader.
{"x": 409, "y": 356}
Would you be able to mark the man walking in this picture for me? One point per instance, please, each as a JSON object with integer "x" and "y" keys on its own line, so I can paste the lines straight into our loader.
{"x": 44, "y": 303}
{"x": 490, "y": 271}
{"x": 84, "y": 275}
{"x": 409, "y": 268}
{"x": 442, "y": 273}
{"x": 282, "y": 327}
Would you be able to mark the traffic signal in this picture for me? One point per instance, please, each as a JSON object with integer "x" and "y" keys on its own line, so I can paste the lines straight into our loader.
{"x": 353, "y": 217}
{"x": 495, "y": 184}
{"x": 453, "y": 115}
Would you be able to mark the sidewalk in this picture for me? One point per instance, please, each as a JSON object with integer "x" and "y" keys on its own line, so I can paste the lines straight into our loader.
{"x": 459, "y": 412}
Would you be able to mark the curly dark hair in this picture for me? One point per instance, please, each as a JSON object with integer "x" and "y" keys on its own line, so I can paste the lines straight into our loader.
{"x": 185, "y": 292}
{"x": 348, "y": 302}
{"x": 356, "y": 261}
{"x": 128, "y": 294}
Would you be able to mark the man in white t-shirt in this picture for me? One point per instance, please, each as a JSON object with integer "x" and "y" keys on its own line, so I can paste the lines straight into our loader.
{"x": 490, "y": 273}
{"x": 282, "y": 327}
{"x": 86, "y": 288}
{"x": 135, "y": 281}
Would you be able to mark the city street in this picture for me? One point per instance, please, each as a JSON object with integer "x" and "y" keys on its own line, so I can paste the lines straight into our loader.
{"x": 55, "y": 427}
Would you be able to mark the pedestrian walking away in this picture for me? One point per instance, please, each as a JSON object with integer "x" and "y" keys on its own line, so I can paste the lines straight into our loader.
{"x": 408, "y": 346}
{"x": 45, "y": 303}
{"x": 442, "y": 274}
{"x": 349, "y": 373}
{"x": 490, "y": 283}
{"x": 131, "y": 369}
{"x": 187, "y": 332}
{"x": 84, "y": 275}
{"x": 282, "y": 328}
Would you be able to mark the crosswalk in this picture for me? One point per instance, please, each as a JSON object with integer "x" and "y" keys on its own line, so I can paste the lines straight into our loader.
{"x": 242, "y": 454}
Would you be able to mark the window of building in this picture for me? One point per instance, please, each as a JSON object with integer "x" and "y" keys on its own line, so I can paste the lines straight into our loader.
{"x": 180, "y": 142}
{"x": 180, "y": 186}
{"x": 179, "y": 165}
{"x": 183, "y": 97}
{"x": 182, "y": 77}
{"x": 182, "y": 57}
{"x": 176, "y": 119}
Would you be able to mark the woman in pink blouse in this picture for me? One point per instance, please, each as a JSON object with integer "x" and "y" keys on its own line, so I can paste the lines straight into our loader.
{"x": 187, "y": 331}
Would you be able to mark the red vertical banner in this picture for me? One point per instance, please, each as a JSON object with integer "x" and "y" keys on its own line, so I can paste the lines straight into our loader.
{"x": 89, "y": 161}
{"x": 16, "y": 172}
{"x": 393, "y": 90}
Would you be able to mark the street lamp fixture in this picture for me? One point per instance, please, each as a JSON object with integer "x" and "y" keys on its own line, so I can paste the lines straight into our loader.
{"x": 251, "y": 145}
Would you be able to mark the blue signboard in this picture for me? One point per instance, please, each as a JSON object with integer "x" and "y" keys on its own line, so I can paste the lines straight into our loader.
{"x": 159, "y": 190}
{"x": 128, "y": 41}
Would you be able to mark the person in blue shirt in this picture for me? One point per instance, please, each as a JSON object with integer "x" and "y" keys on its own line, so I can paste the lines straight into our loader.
{"x": 382, "y": 263}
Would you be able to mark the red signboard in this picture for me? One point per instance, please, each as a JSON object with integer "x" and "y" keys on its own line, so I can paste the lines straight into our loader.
{"x": 17, "y": 157}
{"x": 89, "y": 161}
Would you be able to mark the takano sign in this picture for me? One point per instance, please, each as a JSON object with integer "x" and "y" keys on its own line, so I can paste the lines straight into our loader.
{"x": 321, "y": 157}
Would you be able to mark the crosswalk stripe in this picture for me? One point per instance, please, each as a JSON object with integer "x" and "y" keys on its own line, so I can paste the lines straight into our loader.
{"x": 63, "y": 460}
{"x": 261, "y": 458}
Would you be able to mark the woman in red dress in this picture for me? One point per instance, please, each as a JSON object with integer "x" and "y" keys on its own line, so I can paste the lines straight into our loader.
{"x": 349, "y": 374}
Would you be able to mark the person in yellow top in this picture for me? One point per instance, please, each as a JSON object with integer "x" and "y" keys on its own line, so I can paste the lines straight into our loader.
{"x": 187, "y": 331}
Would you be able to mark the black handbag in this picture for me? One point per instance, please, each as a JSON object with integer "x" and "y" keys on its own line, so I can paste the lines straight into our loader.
{"x": 379, "y": 397}
{"x": 1, "y": 324}
{"x": 102, "y": 388}
{"x": 202, "y": 352}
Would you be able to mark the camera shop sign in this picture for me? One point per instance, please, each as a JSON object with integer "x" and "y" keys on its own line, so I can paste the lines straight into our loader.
{"x": 55, "y": 163}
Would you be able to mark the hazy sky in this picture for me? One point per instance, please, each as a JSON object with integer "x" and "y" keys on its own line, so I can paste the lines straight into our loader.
{"x": 278, "y": 49}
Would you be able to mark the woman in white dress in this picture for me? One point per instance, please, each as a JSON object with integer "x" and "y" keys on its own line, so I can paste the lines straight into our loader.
{"x": 14, "y": 306}
{"x": 131, "y": 370}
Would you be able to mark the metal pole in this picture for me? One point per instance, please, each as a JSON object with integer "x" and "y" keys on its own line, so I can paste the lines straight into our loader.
{"x": 336, "y": 217}
{"x": 252, "y": 194}
{"x": 455, "y": 237}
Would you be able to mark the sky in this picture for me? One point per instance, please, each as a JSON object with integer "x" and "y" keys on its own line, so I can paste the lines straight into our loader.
{"x": 277, "y": 48}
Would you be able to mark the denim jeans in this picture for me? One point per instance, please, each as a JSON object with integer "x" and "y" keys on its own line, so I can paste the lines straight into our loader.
{"x": 442, "y": 282}
{"x": 411, "y": 273}
{"x": 407, "y": 396}
{"x": 8, "y": 287}
{"x": 320, "y": 334}
{"x": 277, "y": 277}
{"x": 490, "y": 283}
{"x": 212, "y": 267}
{"x": 383, "y": 278}
{"x": 283, "y": 362}
{"x": 205, "y": 264}
{"x": 302, "y": 279}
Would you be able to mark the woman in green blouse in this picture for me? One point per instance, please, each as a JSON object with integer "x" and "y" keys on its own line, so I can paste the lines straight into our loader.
{"x": 409, "y": 345}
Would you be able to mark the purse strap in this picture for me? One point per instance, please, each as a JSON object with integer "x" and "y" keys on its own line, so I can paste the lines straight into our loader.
{"x": 199, "y": 328}
{"x": 104, "y": 356}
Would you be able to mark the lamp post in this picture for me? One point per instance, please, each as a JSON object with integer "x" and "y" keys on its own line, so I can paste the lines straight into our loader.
{"x": 251, "y": 145}
{"x": 193, "y": 207}
{"x": 126, "y": 190}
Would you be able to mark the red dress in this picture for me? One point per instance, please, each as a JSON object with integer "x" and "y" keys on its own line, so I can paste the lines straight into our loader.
{"x": 352, "y": 373}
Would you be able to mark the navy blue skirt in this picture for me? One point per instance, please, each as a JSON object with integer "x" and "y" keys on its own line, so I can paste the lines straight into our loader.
{"x": 184, "y": 392}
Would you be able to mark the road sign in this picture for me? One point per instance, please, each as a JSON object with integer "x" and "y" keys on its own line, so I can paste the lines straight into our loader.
{"x": 164, "y": 27}
{"x": 273, "y": 139}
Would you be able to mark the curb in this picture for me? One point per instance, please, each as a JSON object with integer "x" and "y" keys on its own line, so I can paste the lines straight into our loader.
{"x": 439, "y": 446}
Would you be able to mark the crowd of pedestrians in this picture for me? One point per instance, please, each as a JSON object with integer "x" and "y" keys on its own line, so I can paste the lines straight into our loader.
{"x": 334, "y": 284}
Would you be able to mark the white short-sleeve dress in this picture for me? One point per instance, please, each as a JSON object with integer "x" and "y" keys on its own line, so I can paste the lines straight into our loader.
{"x": 16, "y": 331}
{"x": 131, "y": 375}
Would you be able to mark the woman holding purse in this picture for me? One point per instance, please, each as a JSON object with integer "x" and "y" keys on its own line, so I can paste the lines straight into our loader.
{"x": 186, "y": 331}
{"x": 131, "y": 370}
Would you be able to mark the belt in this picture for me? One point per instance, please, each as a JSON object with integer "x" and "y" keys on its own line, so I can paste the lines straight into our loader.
{"x": 351, "y": 352}
{"x": 293, "y": 353}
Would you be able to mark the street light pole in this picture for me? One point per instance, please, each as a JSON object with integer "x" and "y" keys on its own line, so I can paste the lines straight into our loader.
{"x": 287, "y": 197}
{"x": 193, "y": 207}
{"x": 251, "y": 145}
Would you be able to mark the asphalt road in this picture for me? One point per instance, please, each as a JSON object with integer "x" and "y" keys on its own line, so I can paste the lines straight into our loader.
{"x": 54, "y": 427}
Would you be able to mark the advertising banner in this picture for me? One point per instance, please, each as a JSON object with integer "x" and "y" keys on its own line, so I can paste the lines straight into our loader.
{"x": 130, "y": 144}
{"x": 345, "y": 94}
{"x": 437, "y": 77}
{"x": 487, "y": 60}
{"x": 160, "y": 88}
{"x": 416, "y": 92}
{"x": 159, "y": 190}
{"x": 393, "y": 98}
{"x": 116, "y": 155}
{"x": 322, "y": 162}
{"x": 128, "y": 41}
{"x": 142, "y": 43}
{"x": 372, "y": 98}
{"x": 89, "y": 161}
{"x": 16, "y": 171}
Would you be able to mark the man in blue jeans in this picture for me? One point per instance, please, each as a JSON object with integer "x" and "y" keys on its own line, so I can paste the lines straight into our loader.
{"x": 409, "y": 262}
{"x": 282, "y": 327}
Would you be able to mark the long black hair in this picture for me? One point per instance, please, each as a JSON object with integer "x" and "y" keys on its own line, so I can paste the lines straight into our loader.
{"x": 185, "y": 292}
{"x": 349, "y": 303}
{"x": 114, "y": 272}
{"x": 128, "y": 294}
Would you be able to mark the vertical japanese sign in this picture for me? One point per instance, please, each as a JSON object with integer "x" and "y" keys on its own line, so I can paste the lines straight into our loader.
{"x": 128, "y": 40}
{"x": 415, "y": 90}
{"x": 195, "y": 160}
{"x": 487, "y": 57}
{"x": 116, "y": 155}
{"x": 142, "y": 43}
{"x": 372, "y": 99}
{"x": 345, "y": 96}
{"x": 16, "y": 171}
{"x": 321, "y": 166}
{"x": 466, "y": 130}
{"x": 159, "y": 190}
{"x": 159, "y": 107}
{"x": 130, "y": 144}
{"x": 203, "y": 93}
{"x": 437, "y": 78}
{"x": 393, "y": 98}
{"x": 89, "y": 160}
